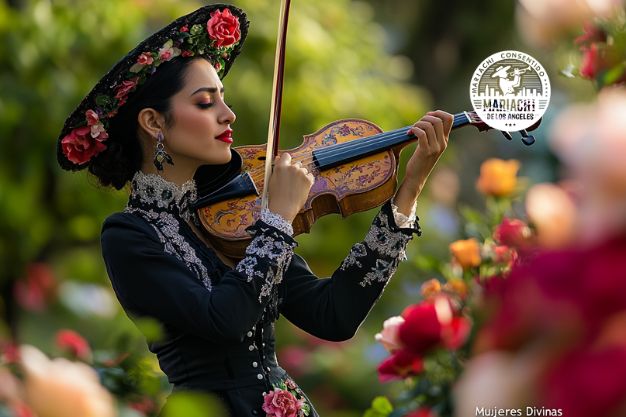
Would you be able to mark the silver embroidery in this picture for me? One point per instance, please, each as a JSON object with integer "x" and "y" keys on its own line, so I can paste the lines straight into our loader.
{"x": 167, "y": 229}
{"x": 151, "y": 190}
{"x": 273, "y": 249}
{"x": 403, "y": 221}
{"x": 387, "y": 245}
{"x": 276, "y": 220}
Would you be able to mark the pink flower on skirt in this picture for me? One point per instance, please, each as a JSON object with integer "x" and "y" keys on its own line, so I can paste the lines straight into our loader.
{"x": 281, "y": 403}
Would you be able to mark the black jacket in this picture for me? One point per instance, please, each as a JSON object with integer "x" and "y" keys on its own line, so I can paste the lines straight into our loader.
{"x": 218, "y": 321}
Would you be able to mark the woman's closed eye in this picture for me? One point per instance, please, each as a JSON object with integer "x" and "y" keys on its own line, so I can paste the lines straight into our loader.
{"x": 205, "y": 105}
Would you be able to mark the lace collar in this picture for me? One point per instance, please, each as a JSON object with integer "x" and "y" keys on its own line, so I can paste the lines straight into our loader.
{"x": 151, "y": 191}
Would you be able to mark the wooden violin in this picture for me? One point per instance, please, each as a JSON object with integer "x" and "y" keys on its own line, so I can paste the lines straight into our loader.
{"x": 355, "y": 168}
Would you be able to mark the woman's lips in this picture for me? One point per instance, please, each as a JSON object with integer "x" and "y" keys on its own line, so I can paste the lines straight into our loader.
{"x": 226, "y": 136}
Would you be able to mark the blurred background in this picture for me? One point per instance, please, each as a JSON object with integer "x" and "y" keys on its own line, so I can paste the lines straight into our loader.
{"x": 386, "y": 62}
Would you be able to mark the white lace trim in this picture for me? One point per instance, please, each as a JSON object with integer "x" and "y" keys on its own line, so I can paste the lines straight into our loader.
{"x": 402, "y": 220}
{"x": 153, "y": 189}
{"x": 276, "y": 220}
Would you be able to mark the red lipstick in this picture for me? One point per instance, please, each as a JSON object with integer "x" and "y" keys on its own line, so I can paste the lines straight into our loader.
{"x": 226, "y": 136}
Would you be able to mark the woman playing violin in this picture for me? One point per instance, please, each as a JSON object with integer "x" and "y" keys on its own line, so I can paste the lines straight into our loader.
{"x": 152, "y": 121}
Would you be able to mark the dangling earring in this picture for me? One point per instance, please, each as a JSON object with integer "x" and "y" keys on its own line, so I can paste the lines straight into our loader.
{"x": 160, "y": 155}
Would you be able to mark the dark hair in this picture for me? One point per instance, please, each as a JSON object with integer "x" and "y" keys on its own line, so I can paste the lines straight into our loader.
{"x": 123, "y": 156}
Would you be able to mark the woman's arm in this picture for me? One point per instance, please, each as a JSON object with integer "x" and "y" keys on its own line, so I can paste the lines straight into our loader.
{"x": 150, "y": 282}
{"x": 334, "y": 308}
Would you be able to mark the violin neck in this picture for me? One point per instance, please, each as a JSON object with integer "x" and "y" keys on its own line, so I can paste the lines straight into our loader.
{"x": 331, "y": 156}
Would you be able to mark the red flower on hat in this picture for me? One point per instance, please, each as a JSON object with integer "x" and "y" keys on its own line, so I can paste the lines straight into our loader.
{"x": 126, "y": 87}
{"x": 223, "y": 27}
{"x": 79, "y": 147}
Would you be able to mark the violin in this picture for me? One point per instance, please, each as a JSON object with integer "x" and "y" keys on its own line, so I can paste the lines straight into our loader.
{"x": 354, "y": 163}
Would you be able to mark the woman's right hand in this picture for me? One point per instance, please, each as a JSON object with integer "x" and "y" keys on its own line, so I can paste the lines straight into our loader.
{"x": 289, "y": 187}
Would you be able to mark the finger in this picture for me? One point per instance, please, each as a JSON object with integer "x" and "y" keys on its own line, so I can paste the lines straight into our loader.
{"x": 437, "y": 124}
{"x": 446, "y": 118}
{"x": 283, "y": 160}
{"x": 431, "y": 136}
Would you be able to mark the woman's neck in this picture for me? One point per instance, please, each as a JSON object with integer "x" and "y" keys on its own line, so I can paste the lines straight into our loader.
{"x": 175, "y": 174}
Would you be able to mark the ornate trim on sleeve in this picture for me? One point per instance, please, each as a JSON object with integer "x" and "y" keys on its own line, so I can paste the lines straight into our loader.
{"x": 267, "y": 256}
{"x": 276, "y": 220}
{"x": 385, "y": 243}
{"x": 403, "y": 221}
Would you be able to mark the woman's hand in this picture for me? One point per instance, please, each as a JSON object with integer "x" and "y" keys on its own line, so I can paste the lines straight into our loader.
{"x": 432, "y": 132}
{"x": 289, "y": 187}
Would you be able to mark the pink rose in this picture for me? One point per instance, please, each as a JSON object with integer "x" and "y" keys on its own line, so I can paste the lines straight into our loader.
{"x": 592, "y": 62}
{"x": 126, "y": 87}
{"x": 281, "y": 403}
{"x": 79, "y": 147}
{"x": 402, "y": 364}
{"x": 223, "y": 28}
{"x": 389, "y": 336}
{"x": 145, "y": 59}
{"x": 92, "y": 117}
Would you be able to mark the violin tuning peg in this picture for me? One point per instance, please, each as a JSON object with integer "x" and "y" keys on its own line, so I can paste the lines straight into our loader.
{"x": 526, "y": 138}
{"x": 507, "y": 135}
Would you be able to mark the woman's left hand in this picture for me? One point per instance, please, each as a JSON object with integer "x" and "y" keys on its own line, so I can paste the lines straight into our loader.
{"x": 432, "y": 132}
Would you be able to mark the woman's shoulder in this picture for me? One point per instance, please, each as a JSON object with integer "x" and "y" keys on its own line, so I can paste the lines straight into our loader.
{"x": 124, "y": 225}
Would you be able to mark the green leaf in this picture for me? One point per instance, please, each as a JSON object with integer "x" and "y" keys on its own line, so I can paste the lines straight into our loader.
{"x": 381, "y": 407}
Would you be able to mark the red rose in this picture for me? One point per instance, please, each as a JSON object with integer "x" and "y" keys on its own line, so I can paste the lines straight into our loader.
{"x": 79, "y": 147}
{"x": 74, "y": 343}
{"x": 402, "y": 364}
{"x": 223, "y": 28}
{"x": 592, "y": 62}
{"x": 512, "y": 232}
{"x": 591, "y": 34}
{"x": 125, "y": 88}
{"x": 35, "y": 291}
{"x": 281, "y": 403}
{"x": 92, "y": 117}
{"x": 422, "y": 412}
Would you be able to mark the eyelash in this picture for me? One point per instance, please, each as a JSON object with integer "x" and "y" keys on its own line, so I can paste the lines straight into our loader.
{"x": 208, "y": 105}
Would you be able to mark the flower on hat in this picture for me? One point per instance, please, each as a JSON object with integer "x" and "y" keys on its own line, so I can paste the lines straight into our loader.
{"x": 215, "y": 40}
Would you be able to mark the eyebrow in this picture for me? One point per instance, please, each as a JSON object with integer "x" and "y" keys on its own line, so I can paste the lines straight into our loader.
{"x": 208, "y": 90}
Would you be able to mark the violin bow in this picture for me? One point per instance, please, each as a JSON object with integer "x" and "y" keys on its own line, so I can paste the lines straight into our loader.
{"x": 273, "y": 129}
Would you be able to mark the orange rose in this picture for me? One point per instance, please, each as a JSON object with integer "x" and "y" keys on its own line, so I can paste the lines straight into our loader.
{"x": 498, "y": 177}
{"x": 431, "y": 288}
{"x": 456, "y": 286}
{"x": 466, "y": 252}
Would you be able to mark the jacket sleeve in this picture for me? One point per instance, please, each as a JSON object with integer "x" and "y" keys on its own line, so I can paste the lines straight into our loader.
{"x": 334, "y": 308}
{"x": 150, "y": 282}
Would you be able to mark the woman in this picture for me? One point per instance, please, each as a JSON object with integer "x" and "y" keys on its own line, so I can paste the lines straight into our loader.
{"x": 153, "y": 120}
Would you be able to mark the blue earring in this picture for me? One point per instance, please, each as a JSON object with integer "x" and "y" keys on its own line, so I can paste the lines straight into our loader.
{"x": 160, "y": 155}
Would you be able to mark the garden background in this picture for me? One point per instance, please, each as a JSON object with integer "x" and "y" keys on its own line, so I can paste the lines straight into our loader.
{"x": 387, "y": 62}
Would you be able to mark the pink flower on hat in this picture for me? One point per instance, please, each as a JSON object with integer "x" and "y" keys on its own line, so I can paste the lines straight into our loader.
{"x": 126, "y": 87}
{"x": 281, "y": 403}
{"x": 223, "y": 27}
{"x": 79, "y": 147}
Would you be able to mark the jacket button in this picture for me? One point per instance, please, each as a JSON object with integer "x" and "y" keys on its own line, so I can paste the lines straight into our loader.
{"x": 255, "y": 412}
{"x": 259, "y": 376}
{"x": 268, "y": 369}
{"x": 255, "y": 364}
{"x": 251, "y": 348}
{"x": 250, "y": 335}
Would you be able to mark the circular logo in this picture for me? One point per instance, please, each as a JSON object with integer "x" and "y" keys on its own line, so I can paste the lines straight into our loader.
{"x": 510, "y": 91}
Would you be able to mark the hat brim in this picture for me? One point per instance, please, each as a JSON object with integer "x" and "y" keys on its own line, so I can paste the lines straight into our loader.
{"x": 120, "y": 71}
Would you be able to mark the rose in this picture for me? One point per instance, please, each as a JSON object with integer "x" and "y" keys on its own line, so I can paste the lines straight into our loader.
{"x": 223, "y": 28}
{"x": 421, "y": 412}
{"x": 466, "y": 253}
{"x": 61, "y": 388}
{"x": 74, "y": 343}
{"x": 126, "y": 87}
{"x": 430, "y": 288}
{"x": 79, "y": 147}
{"x": 38, "y": 288}
{"x": 512, "y": 232}
{"x": 592, "y": 62}
{"x": 281, "y": 403}
{"x": 402, "y": 364}
{"x": 92, "y": 117}
{"x": 389, "y": 336}
{"x": 552, "y": 213}
{"x": 498, "y": 177}
{"x": 145, "y": 59}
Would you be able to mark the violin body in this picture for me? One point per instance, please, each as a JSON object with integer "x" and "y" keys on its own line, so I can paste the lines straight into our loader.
{"x": 344, "y": 189}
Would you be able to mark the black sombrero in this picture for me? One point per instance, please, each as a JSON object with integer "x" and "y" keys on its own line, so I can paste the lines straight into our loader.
{"x": 215, "y": 32}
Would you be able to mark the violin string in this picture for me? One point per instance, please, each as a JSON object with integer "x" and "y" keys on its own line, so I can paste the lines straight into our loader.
{"x": 346, "y": 147}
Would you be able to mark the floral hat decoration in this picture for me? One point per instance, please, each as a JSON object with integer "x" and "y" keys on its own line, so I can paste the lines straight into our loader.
{"x": 215, "y": 32}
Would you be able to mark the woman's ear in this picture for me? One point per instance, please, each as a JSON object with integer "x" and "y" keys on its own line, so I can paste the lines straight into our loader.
{"x": 151, "y": 121}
